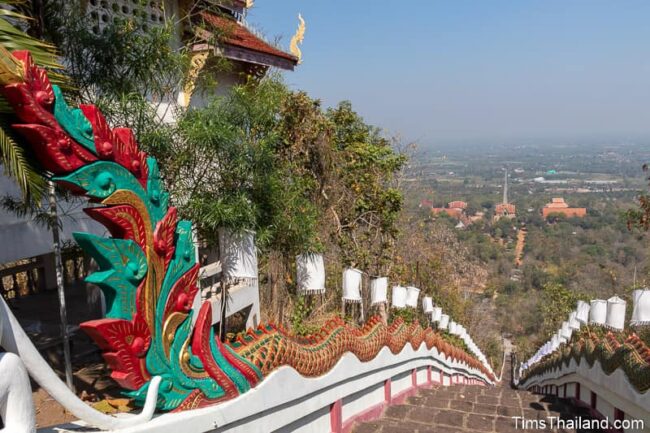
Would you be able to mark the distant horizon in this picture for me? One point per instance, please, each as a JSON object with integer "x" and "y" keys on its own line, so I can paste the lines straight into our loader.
{"x": 577, "y": 139}
{"x": 448, "y": 71}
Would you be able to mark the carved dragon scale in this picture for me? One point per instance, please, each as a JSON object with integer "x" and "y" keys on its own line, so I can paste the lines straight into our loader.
{"x": 148, "y": 270}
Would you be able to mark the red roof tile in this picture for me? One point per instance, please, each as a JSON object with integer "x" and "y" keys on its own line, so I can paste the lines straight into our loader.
{"x": 238, "y": 35}
{"x": 457, "y": 205}
{"x": 505, "y": 209}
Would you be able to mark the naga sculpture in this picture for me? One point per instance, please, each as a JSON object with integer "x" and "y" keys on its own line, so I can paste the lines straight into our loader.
{"x": 153, "y": 340}
{"x": 628, "y": 353}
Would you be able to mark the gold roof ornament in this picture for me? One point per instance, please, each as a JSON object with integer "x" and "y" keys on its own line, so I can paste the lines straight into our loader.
{"x": 197, "y": 63}
{"x": 297, "y": 39}
{"x": 11, "y": 69}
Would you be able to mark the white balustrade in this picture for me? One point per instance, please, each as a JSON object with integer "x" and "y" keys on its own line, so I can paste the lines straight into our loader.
{"x": 615, "y": 313}
{"x": 598, "y": 312}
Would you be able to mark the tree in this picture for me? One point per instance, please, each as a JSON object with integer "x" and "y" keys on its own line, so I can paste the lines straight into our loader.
{"x": 557, "y": 303}
{"x": 262, "y": 157}
{"x": 366, "y": 200}
{"x": 640, "y": 218}
{"x": 271, "y": 160}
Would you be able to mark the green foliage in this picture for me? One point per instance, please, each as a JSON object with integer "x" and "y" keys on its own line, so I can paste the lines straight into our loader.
{"x": 640, "y": 217}
{"x": 233, "y": 171}
{"x": 409, "y": 315}
{"x": 494, "y": 353}
{"x": 261, "y": 157}
{"x": 455, "y": 340}
{"x": 17, "y": 164}
{"x": 369, "y": 203}
{"x": 557, "y": 303}
{"x": 509, "y": 287}
{"x": 503, "y": 228}
{"x": 130, "y": 70}
{"x": 299, "y": 314}
{"x": 18, "y": 31}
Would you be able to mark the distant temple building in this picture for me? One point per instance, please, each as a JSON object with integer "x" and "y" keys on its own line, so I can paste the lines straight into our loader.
{"x": 505, "y": 209}
{"x": 458, "y": 211}
{"x": 457, "y": 205}
{"x": 455, "y": 209}
{"x": 559, "y": 206}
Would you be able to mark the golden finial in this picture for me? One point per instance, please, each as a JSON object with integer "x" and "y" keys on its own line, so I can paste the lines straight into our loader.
{"x": 197, "y": 62}
{"x": 297, "y": 39}
{"x": 11, "y": 69}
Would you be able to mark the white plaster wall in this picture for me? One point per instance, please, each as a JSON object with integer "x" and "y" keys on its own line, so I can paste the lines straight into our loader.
{"x": 605, "y": 408}
{"x": 571, "y": 390}
{"x": 22, "y": 238}
{"x": 422, "y": 376}
{"x": 362, "y": 400}
{"x": 585, "y": 394}
{"x": 401, "y": 383}
{"x": 436, "y": 376}
{"x": 612, "y": 390}
{"x": 316, "y": 422}
{"x": 285, "y": 398}
{"x": 225, "y": 81}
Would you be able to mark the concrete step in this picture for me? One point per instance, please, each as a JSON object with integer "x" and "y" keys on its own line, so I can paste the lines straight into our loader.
{"x": 422, "y": 420}
{"x": 472, "y": 409}
{"x": 464, "y": 409}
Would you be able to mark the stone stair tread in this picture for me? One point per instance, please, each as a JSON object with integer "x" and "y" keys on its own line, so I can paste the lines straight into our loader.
{"x": 466, "y": 409}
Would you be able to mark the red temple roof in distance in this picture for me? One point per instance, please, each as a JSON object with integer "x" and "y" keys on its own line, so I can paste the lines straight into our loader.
{"x": 457, "y": 204}
{"x": 505, "y": 208}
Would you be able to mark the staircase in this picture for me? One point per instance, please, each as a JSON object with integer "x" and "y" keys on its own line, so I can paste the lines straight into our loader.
{"x": 521, "y": 243}
{"x": 458, "y": 409}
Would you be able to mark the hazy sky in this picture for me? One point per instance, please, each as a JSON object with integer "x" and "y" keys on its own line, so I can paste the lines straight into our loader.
{"x": 441, "y": 70}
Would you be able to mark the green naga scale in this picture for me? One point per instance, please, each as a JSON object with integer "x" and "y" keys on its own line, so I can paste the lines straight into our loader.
{"x": 148, "y": 270}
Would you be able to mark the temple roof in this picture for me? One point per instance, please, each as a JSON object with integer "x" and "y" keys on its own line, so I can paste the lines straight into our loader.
{"x": 557, "y": 202}
{"x": 505, "y": 208}
{"x": 241, "y": 44}
{"x": 457, "y": 205}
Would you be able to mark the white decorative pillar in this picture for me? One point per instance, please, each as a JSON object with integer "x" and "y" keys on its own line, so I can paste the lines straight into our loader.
{"x": 412, "y": 295}
{"x": 378, "y": 296}
{"x": 427, "y": 305}
{"x": 444, "y": 322}
{"x": 574, "y": 323}
{"x": 598, "y": 312}
{"x": 352, "y": 288}
{"x": 582, "y": 311}
{"x": 399, "y": 297}
{"x": 436, "y": 314}
{"x": 566, "y": 331}
{"x": 615, "y": 313}
{"x": 310, "y": 274}
{"x": 378, "y": 290}
{"x": 641, "y": 311}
